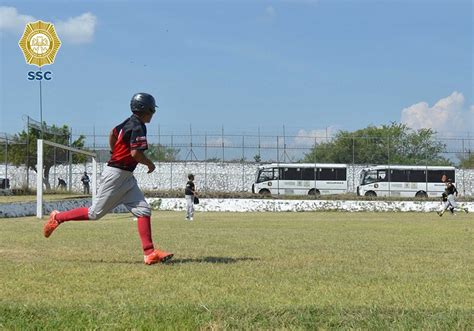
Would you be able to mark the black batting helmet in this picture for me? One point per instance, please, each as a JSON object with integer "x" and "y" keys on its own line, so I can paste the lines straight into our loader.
{"x": 143, "y": 102}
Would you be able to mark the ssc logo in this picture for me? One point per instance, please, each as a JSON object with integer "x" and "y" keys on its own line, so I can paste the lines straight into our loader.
{"x": 40, "y": 75}
{"x": 39, "y": 44}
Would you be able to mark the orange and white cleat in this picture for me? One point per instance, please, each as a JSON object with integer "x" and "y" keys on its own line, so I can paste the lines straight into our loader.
{"x": 157, "y": 256}
{"x": 51, "y": 224}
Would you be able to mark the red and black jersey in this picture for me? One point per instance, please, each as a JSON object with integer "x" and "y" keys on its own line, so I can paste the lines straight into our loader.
{"x": 131, "y": 135}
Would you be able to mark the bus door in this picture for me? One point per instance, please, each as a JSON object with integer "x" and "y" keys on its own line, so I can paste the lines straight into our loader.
{"x": 382, "y": 184}
{"x": 267, "y": 181}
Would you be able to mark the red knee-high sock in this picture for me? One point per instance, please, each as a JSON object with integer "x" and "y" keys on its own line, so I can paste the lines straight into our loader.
{"x": 78, "y": 214}
{"x": 144, "y": 230}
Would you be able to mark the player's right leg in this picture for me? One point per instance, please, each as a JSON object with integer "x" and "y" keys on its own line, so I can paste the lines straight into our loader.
{"x": 189, "y": 207}
{"x": 113, "y": 188}
{"x": 51, "y": 224}
{"x": 157, "y": 256}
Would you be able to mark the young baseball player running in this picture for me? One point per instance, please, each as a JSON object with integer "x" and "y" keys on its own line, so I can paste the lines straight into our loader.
{"x": 449, "y": 199}
{"x": 118, "y": 185}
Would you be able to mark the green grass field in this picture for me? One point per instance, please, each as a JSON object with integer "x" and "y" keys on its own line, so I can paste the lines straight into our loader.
{"x": 242, "y": 271}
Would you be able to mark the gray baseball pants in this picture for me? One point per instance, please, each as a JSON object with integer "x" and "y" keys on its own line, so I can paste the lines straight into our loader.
{"x": 189, "y": 206}
{"x": 118, "y": 187}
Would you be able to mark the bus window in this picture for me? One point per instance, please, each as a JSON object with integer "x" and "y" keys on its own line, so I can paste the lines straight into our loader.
{"x": 382, "y": 176}
{"x": 417, "y": 176}
{"x": 265, "y": 175}
{"x": 307, "y": 174}
{"x": 369, "y": 177}
{"x": 397, "y": 175}
{"x": 291, "y": 174}
{"x": 341, "y": 174}
{"x": 434, "y": 176}
{"x": 327, "y": 174}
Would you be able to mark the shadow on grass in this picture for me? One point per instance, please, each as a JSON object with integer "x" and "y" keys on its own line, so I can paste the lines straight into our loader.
{"x": 206, "y": 259}
{"x": 212, "y": 259}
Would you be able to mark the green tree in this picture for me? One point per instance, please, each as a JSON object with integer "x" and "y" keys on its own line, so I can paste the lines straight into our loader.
{"x": 158, "y": 152}
{"x": 467, "y": 161}
{"x": 394, "y": 144}
{"x": 25, "y": 152}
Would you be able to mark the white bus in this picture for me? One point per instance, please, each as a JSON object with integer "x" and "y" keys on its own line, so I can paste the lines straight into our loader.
{"x": 404, "y": 181}
{"x": 301, "y": 179}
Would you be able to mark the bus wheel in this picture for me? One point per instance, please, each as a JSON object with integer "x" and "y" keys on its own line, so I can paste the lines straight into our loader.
{"x": 421, "y": 194}
{"x": 314, "y": 192}
{"x": 264, "y": 192}
{"x": 370, "y": 194}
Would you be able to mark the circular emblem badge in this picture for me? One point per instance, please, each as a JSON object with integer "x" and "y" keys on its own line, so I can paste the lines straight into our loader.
{"x": 39, "y": 43}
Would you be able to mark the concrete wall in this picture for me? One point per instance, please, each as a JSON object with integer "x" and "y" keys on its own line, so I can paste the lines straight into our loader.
{"x": 241, "y": 205}
{"x": 228, "y": 177}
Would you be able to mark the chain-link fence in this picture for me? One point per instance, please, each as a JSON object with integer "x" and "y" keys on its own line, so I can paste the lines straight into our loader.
{"x": 174, "y": 153}
{"x": 223, "y": 147}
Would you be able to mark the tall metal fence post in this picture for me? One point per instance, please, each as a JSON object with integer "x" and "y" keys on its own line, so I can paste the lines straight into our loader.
{"x": 159, "y": 149}
{"x": 463, "y": 170}
{"x": 171, "y": 166}
{"x": 28, "y": 153}
{"x": 243, "y": 163}
{"x": 353, "y": 164}
{"x": 388, "y": 161}
{"x": 6, "y": 158}
{"x": 222, "y": 142}
{"x": 259, "y": 152}
{"x": 315, "y": 167}
{"x": 205, "y": 161}
{"x": 70, "y": 162}
{"x": 278, "y": 165}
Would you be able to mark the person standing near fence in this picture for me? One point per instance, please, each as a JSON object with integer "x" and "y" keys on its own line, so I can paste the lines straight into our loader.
{"x": 62, "y": 184}
{"x": 85, "y": 183}
{"x": 189, "y": 194}
{"x": 128, "y": 143}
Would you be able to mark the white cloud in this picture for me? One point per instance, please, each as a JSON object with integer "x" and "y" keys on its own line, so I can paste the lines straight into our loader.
{"x": 308, "y": 138}
{"x": 75, "y": 30}
{"x": 11, "y": 20}
{"x": 217, "y": 142}
{"x": 446, "y": 115}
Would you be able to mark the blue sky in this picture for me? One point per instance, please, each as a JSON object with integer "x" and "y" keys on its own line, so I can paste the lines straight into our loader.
{"x": 310, "y": 65}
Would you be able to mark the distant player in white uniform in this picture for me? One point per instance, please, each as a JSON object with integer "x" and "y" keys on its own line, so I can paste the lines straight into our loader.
{"x": 190, "y": 193}
{"x": 449, "y": 199}
{"x": 118, "y": 185}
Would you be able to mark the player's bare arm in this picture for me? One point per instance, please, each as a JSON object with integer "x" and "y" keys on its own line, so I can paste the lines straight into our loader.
{"x": 141, "y": 158}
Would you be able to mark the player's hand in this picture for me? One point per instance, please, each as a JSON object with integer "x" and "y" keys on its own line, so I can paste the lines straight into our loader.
{"x": 151, "y": 168}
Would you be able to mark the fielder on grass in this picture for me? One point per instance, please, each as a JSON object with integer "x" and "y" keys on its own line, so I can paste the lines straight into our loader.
{"x": 449, "y": 200}
{"x": 118, "y": 185}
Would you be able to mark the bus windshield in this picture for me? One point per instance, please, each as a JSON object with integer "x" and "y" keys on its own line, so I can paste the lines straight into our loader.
{"x": 264, "y": 175}
{"x": 368, "y": 177}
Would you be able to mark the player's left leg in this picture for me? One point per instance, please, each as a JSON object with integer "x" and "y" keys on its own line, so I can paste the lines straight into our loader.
{"x": 453, "y": 203}
{"x": 446, "y": 205}
{"x": 137, "y": 205}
